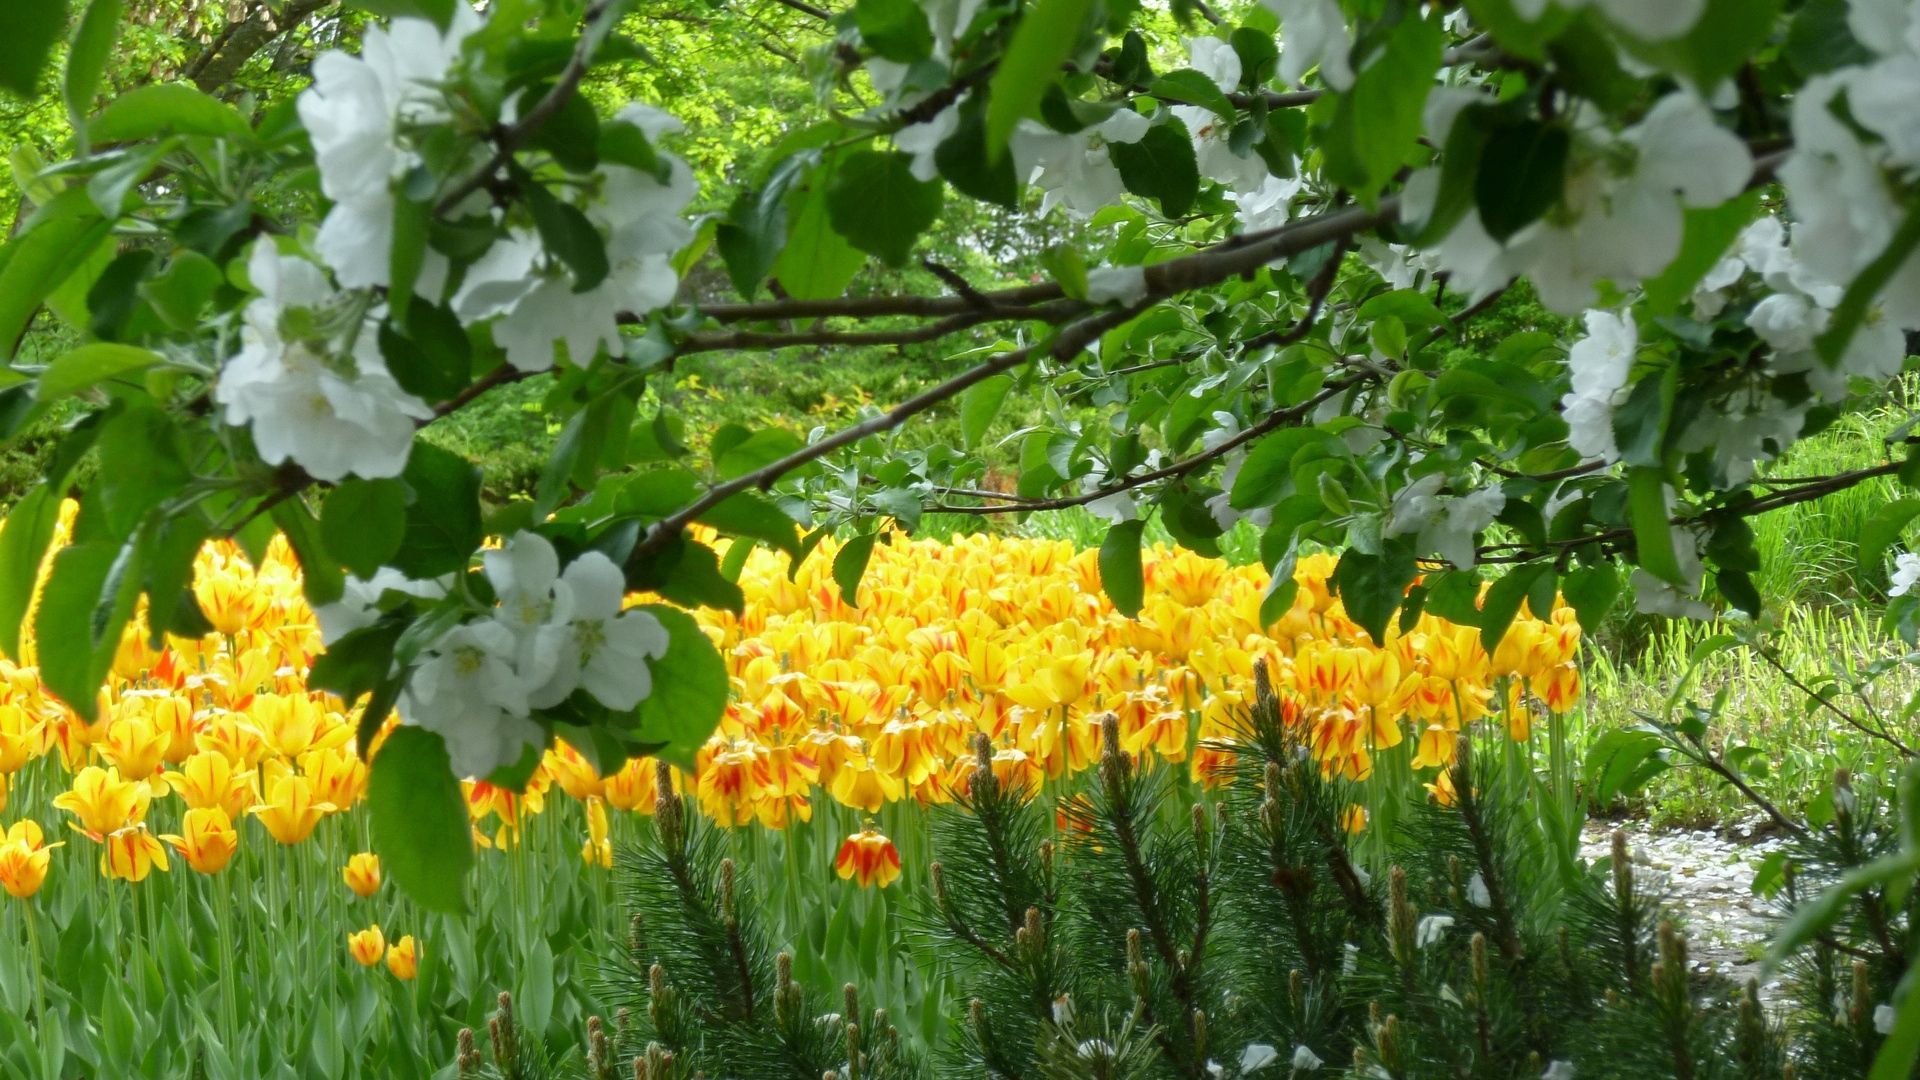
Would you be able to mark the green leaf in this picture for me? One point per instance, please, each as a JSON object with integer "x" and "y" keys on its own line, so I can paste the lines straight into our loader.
{"x": 1709, "y": 231}
{"x": 1120, "y": 574}
{"x": 566, "y": 231}
{"x": 182, "y": 291}
{"x": 1881, "y": 532}
{"x": 439, "y": 12}
{"x": 963, "y": 160}
{"x": 60, "y": 238}
{"x": 1375, "y": 124}
{"x": 689, "y": 689}
{"x": 1259, "y": 55}
{"x": 141, "y": 466}
{"x": 1267, "y": 469}
{"x": 358, "y": 662}
{"x": 1592, "y": 590}
{"x": 420, "y": 825}
{"x": 850, "y": 565}
{"x": 880, "y": 207}
{"x": 320, "y": 577}
{"x": 178, "y": 108}
{"x": 753, "y": 515}
{"x": 896, "y": 30}
{"x": 443, "y": 514}
{"x": 1189, "y": 87}
{"x": 1522, "y": 171}
{"x": 87, "y": 59}
{"x": 90, "y": 365}
{"x": 32, "y": 28}
{"x": 88, "y": 598}
{"x": 1867, "y": 285}
{"x": 1652, "y": 533}
{"x": 362, "y": 522}
{"x": 1160, "y": 165}
{"x": 816, "y": 263}
{"x": 1721, "y": 41}
{"x": 432, "y": 358}
{"x": 979, "y": 404}
{"x": 1503, "y": 600}
{"x": 1372, "y": 586}
{"x": 24, "y": 537}
{"x": 1622, "y": 761}
{"x": 757, "y": 451}
{"x": 1043, "y": 39}
{"x": 1282, "y": 588}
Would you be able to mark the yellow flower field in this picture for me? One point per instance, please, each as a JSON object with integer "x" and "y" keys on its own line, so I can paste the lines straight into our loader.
{"x": 858, "y": 712}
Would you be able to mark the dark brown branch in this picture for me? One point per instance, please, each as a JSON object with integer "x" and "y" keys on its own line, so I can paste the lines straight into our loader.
{"x": 754, "y": 339}
{"x": 1277, "y": 419}
{"x": 806, "y": 9}
{"x": 1069, "y": 341}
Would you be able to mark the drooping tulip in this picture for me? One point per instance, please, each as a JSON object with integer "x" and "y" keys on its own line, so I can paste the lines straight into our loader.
{"x": 868, "y": 857}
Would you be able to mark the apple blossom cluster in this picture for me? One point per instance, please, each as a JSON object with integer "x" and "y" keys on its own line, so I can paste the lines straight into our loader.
{"x": 1620, "y": 215}
{"x": 309, "y": 378}
{"x": 1444, "y": 524}
{"x": 550, "y": 633}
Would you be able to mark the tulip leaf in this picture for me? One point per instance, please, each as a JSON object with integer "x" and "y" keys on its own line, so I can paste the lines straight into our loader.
{"x": 420, "y": 819}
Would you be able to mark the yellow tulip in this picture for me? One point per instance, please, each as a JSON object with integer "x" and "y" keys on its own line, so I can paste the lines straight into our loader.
{"x": 21, "y": 736}
{"x": 103, "y": 802}
{"x": 870, "y": 857}
{"x": 290, "y": 812}
{"x": 134, "y": 746}
{"x": 366, "y": 946}
{"x": 131, "y": 854}
{"x": 24, "y": 859}
{"x": 403, "y": 958}
{"x": 209, "y": 780}
{"x": 207, "y": 839}
{"x": 599, "y": 848}
{"x": 362, "y": 873}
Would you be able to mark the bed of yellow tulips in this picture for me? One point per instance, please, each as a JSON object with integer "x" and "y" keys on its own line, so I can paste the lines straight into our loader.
{"x": 190, "y": 878}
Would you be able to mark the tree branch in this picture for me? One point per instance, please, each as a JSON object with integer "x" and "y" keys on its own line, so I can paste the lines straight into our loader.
{"x": 598, "y": 20}
{"x": 1070, "y": 341}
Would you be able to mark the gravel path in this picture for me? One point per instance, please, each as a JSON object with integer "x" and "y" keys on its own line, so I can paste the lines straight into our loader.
{"x": 1707, "y": 878}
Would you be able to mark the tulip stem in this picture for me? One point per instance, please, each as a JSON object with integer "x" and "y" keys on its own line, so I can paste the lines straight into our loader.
{"x": 229, "y": 1007}
{"x": 40, "y": 1022}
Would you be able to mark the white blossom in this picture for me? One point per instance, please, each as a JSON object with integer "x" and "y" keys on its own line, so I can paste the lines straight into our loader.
{"x": 1313, "y": 33}
{"x": 922, "y": 139}
{"x": 1073, "y": 169}
{"x": 1430, "y": 928}
{"x": 1883, "y": 1019}
{"x": 1444, "y": 524}
{"x": 608, "y": 651}
{"x": 466, "y": 689}
{"x": 1117, "y": 284}
{"x": 1214, "y": 154}
{"x": 1558, "y": 1070}
{"x": 1268, "y": 206}
{"x": 1906, "y": 573}
{"x": 1477, "y": 893}
{"x": 309, "y": 379}
{"x": 1217, "y": 60}
{"x": 360, "y": 114}
{"x": 1599, "y": 364}
{"x": 1305, "y": 1060}
{"x": 358, "y": 606}
{"x": 1655, "y": 596}
{"x": 1653, "y": 20}
{"x": 1257, "y": 1056}
{"x": 640, "y": 218}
